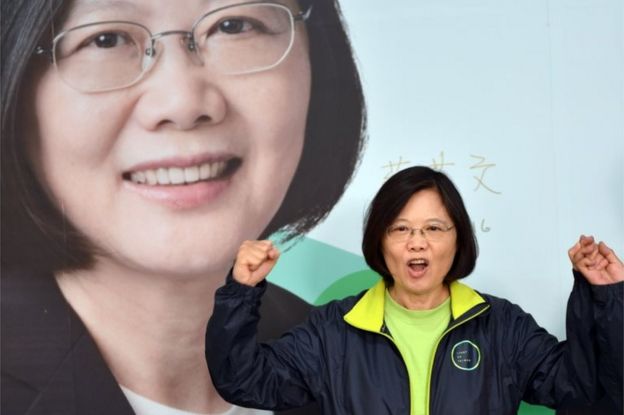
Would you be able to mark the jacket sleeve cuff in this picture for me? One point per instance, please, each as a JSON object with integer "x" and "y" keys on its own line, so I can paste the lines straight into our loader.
{"x": 233, "y": 288}
{"x": 601, "y": 294}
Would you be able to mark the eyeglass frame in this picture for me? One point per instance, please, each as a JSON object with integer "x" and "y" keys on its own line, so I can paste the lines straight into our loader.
{"x": 188, "y": 36}
{"x": 421, "y": 231}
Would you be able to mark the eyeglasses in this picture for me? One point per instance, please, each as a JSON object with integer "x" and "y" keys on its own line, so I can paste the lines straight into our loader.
{"x": 432, "y": 232}
{"x": 236, "y": 39}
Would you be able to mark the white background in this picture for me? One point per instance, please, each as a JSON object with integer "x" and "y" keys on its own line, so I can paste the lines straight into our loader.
{"x": 525, "y": 96}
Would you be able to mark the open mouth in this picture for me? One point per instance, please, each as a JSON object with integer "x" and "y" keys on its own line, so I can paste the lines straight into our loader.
{"x": 179, "y": 176}
{"x": 418, "y": 264}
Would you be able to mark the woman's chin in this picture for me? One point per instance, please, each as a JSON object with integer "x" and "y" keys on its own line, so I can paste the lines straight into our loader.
{"x": 173, "y": 265}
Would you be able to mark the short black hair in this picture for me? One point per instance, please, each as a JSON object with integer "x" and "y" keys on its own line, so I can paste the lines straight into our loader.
{"x": 36, "y": 234}
{"x": 336, "y": 125}
{"x": 392, "y": 197}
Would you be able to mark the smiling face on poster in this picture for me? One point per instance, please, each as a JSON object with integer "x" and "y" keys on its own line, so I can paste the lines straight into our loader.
{"x": 142, "y": 142}
{"x": 137, "y": 150}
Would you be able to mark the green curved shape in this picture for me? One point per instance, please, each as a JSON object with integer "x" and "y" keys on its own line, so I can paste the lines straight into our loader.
{"x": 527, "y": 409}
{"x": 350, "y": 284}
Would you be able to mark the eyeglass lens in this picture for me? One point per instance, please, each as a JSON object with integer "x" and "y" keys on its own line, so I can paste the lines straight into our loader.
{"x": 402, "y": 233}
{"x": 237, "y": 39}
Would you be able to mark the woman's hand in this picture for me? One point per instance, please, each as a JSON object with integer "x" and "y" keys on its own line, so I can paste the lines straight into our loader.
{"x": 254, "y": 261}
{"x": 597, "y": 262}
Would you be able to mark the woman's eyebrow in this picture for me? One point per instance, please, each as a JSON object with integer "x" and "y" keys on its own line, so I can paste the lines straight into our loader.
{"x": 426, "y": 221}
{"x": 437, "y": 221}
{"x": 88, "y": 11}
{"x": 88, "y": 6}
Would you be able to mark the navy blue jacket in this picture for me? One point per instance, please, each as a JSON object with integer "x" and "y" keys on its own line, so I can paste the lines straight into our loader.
{"x": 492, "y": 355}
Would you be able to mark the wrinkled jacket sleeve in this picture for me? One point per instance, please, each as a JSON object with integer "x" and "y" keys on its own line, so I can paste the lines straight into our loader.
{"x": 277, "y": 375}
{"x": 588, "y": 365}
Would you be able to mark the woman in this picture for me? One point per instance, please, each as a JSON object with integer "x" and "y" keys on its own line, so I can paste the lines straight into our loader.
{"x": 420, "y": 341}
{"x": 142, "y": 142}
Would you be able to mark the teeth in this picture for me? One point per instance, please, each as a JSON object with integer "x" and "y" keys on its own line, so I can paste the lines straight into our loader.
{"x": 191, "y": 174}
{"x": 177, "y": 175}
{"x": 140, "y": 176}
{"x": 151, "y": 177}
{"x": 214, "y": 169}
{"x": 418, "y": 262}
{"x": 204, "y": 171}
{"x": 163, "y": 176}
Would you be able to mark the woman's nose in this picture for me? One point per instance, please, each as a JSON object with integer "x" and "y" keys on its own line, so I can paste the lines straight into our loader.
{"x": 180, "y": 92}
{"x": 416, "y": 240}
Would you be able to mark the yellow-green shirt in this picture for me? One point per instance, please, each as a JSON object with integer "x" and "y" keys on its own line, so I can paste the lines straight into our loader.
{"x": 415, "y": 332}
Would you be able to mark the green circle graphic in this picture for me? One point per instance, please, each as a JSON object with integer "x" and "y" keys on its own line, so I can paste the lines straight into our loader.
{"x": 464, "y": 358}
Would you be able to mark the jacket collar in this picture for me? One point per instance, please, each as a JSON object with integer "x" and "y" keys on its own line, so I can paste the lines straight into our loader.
{"x": 368, "y": 313}
{"x": 54, "y": 363}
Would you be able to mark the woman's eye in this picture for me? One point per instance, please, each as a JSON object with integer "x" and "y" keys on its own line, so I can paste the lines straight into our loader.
{"x": 107, "y": 40}
{"x": 102, "y": 41}
{"x": 234, "y": 26}
{"x": 433, "y": 228}
{"x": 400, "y": 229}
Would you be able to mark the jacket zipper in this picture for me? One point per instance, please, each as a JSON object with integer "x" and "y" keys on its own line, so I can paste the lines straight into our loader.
{"x": 409, "y": 381}
{"x": 435, "y": 352}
